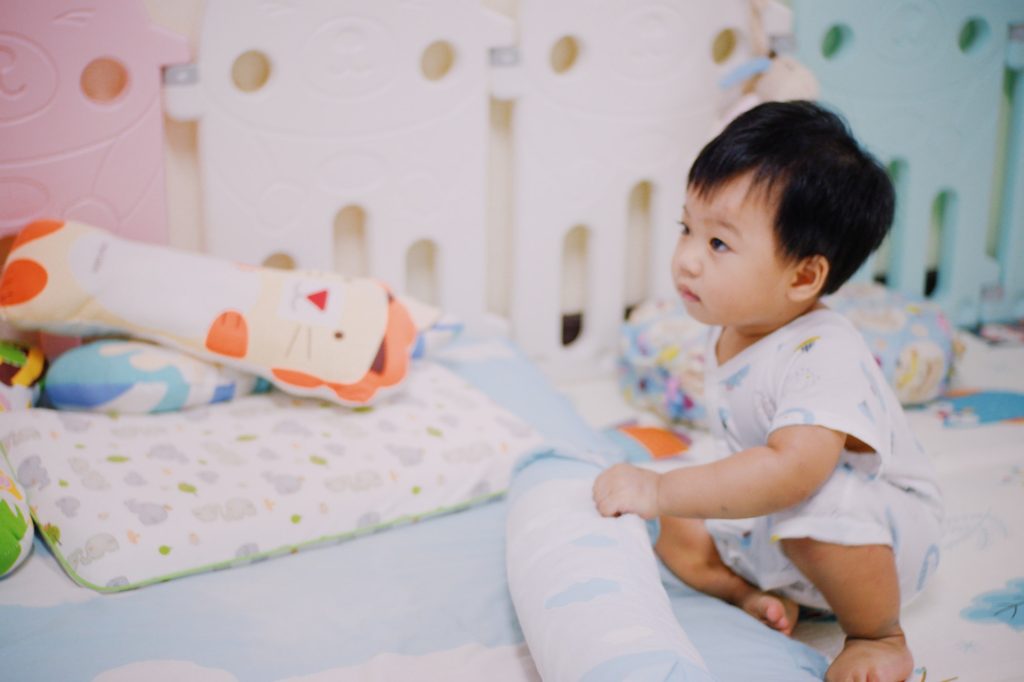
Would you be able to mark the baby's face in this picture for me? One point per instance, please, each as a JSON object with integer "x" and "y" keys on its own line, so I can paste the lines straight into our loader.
{"x": 726, "y": 265}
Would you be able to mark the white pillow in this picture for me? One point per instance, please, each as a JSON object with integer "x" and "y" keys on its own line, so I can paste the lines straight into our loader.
{"x": 138, "y": 499}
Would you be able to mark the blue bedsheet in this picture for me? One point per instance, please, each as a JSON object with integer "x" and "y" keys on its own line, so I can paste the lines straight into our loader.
{"x": 416, "y": 591}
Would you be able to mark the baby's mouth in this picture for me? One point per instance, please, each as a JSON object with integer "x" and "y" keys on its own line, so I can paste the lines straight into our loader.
{"x": 688, "y": 294}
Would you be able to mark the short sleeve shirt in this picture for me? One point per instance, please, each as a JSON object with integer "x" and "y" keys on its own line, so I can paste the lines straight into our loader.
{"x": 816, "y": 370}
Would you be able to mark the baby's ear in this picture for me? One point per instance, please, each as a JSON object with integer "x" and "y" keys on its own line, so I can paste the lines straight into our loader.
{"x": 809, "y": 276}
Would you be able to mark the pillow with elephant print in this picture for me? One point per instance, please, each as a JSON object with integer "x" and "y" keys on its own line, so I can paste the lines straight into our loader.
{"x": 125, "y": 501}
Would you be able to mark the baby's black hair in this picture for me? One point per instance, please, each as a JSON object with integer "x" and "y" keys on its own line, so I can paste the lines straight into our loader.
{"x": 832, "y": 197}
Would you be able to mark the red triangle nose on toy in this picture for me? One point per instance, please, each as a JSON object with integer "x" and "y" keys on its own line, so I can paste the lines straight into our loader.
{"x": 319, "y": 299}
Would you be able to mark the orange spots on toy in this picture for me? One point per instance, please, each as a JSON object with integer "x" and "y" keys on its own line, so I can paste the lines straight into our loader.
{"x": 661, "y": 443}
{"x": 359, "y": 392}
{"x": 296, "y": 378}
{"x": 36, "y": 230}
{"x": 268, "y": 503}
{"x": 229, "y": 335}
{"x": 133, "y": 537}
{"x": 23, "y": 280}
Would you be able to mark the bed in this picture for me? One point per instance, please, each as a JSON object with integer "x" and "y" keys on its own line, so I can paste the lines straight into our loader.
{"x": 425, "y": 599}
{"x": 425, "y": 579}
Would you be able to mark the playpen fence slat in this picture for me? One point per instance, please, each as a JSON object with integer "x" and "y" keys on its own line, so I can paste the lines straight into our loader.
{"x": 615, "y": 94}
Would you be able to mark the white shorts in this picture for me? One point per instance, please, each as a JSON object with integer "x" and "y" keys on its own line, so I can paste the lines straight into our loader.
{"x": 851, "y": 508}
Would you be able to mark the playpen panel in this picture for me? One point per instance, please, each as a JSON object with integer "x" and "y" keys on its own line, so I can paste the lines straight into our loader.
{"x": 921, "y": 83}
{"x": 611, "y": 94}
{"x": 80, "y": 121}
{"x": 1011, "y": 218}
{"x": 308, "y": 109}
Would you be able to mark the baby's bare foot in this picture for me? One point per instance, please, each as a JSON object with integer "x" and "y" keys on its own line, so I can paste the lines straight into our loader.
{"x": 775, "y": 611}
{"x": 886, "y": 659}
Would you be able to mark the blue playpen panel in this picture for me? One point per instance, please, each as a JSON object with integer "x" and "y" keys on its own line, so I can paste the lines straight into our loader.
{"x": 934, "y": 89}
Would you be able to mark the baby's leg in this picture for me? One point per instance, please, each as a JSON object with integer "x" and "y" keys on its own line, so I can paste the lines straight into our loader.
{"x": 688, "y": 550}
{"x": 861, "y": 585}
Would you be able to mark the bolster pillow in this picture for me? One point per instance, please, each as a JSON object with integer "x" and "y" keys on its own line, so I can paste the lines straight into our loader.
{"x": 315, "y": 334}
{"x": 586, "y": 589}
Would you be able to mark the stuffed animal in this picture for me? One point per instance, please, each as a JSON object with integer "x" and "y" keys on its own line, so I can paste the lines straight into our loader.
{"x": 778, "y": 78}
{"x": 15, "y": 522}
{"x": 773, "y": 76}
{"x": 21, "y": 367}
{"x": 314, "y": 334}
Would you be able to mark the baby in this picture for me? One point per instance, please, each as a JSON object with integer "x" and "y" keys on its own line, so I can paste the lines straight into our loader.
{"x": 826, "y": 498}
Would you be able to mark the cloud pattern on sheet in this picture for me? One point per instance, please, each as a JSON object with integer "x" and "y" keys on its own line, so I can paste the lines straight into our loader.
{"x": 165, "y": 670}
{"x": 999, "y": 606}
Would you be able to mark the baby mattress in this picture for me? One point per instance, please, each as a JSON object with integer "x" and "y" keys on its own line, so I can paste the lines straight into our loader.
{"x": 425, "y": 599}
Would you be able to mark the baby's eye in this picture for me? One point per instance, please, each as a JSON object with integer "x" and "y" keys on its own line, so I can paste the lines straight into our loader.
{"x": 685, "y": 228}
{"x": 718, "y": 245}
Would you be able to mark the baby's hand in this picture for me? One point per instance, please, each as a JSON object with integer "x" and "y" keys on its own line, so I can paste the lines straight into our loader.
{"x": 626, "y": 489}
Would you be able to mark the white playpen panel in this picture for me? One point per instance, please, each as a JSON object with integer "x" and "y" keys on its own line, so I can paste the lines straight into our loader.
{"x": 612, "y": 94}
{"x": 324, "y": 123}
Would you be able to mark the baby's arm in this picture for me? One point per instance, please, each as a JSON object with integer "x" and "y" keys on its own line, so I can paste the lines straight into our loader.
{"x": 753, "y": 482}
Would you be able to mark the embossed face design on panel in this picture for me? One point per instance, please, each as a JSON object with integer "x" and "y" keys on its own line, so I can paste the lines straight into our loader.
{"x": 80, "y": 113}
{"x": 635, "y": 53}
{"x": 309, "y": 109}
{"x": 320, "y": 68}
{"x": 350, "y": 57}
{"x": 96, "y": 64}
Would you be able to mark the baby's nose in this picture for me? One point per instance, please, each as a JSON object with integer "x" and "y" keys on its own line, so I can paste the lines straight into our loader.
{"x": 686, "y": 260}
